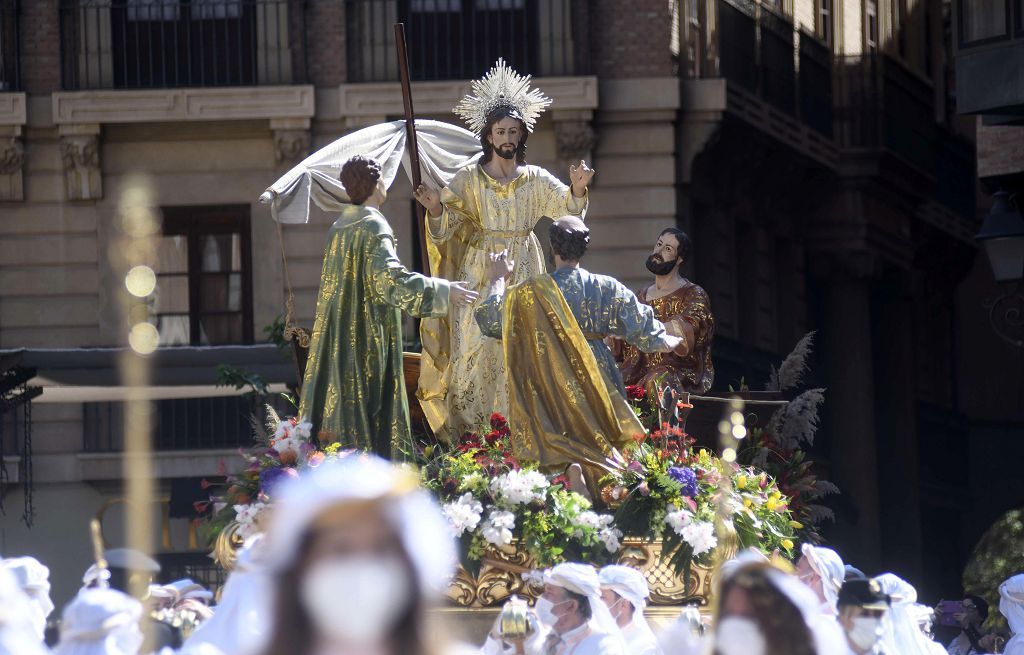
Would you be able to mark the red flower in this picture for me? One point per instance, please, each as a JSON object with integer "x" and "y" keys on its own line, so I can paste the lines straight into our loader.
{"x": 635, "y": 392}
{"x": 498, "y": 421}
{"x": 562, "y": 480}
{"x": 492, "y": 437}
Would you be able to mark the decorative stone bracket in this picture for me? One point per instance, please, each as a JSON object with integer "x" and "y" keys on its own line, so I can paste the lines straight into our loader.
{"x": 12, "y": 149}
{"x": 291, "y": 139}
{"x": 79, "y": 115}
{"x": 575, "y": 137}
{"x": 80, "y": 155}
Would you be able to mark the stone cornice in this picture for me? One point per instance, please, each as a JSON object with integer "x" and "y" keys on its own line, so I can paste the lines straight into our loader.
{"x": 12, "y": 109}
{"x": 377, "y": 100}
{"x": 169, "y": 105}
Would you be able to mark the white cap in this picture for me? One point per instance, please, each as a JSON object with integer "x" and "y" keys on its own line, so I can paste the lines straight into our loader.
{"x": 829, "y": 567}
{"x": 97, "y": 620}
{"x": 626, "y": 582}
{"x": 413, "y": 514}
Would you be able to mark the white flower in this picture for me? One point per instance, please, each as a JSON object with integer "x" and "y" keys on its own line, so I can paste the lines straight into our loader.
{"x": 592, "y": 520}
{"x": 498, "y": 529}
{"x": 290, "y": 445}
{"x": 248, "y": 517}
{"x": 701, "y": 536}
{"x": 291, "y": 427}
{"x": 610, "y": 536}
{"x": 678, "y": 519}
{"x": 521, "y": 487}
{"x": 463, "y": 514}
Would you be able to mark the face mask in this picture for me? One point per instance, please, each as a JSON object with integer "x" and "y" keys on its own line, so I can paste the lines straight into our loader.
{"x": 356, "y": 600}
{"x": 737, "y": 635}
{"x": 613, "y": 608}
{"x": 546, "y": 611}
{"x": 864, "y": 632}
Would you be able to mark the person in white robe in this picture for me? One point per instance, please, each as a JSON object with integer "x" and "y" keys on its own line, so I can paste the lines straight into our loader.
{"x": 100, "y": 622}
{"x": 625, "y": 592}
{"x": 34, "y": 580}
{"x": 571, "y": 617}
{"x": 1011, "y": 606}
{"x": 18, "y": 635}
{"x": 901, "y": 631}
{"x": 823, "y": 571}
{"x": 239, "y": 623}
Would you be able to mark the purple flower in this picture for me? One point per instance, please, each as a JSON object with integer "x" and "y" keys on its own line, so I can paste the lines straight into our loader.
{"x": 686, "y": 478}
{"x": 635, "y": 466}
{"x": 270, "y": 478}
{"x": 643, "y": 489}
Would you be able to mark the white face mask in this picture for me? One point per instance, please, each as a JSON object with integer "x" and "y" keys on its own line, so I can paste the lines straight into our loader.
{"x": 738, "y": 635}
{"x": 546, "y": 611}
{"x": 864, "y": 633}
{"x": 356, "y": 600}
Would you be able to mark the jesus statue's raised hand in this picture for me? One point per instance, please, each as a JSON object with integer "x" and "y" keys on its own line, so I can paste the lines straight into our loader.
{"x": 580, "y": 177}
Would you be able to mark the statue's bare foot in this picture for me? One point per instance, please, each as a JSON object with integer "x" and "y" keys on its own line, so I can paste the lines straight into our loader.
{"x": 576, "y": 481}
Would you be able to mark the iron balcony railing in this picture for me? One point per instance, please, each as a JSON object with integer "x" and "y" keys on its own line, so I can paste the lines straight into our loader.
{"x": 461, "y": 39}
{"x": 10, "y": 38}
{"x": 881, "y": 104}
{"x": 140, "y": 44}
{"x": 180, "y": 423}
{"x": 760, "y": 51}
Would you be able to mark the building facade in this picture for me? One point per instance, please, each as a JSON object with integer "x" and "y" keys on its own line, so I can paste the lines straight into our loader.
{"x": 810, "y": 147}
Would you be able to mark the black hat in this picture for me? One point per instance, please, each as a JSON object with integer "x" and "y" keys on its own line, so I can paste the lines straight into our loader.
{"x": 865, "y": 593}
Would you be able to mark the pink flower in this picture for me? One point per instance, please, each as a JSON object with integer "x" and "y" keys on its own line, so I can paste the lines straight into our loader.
{"x": 644, "y": 489}
{"x": 316, "y": 459}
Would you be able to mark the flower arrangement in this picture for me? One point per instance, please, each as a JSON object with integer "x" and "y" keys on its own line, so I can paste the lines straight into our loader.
{"x": 663, "y": 489}
{"x": 282, "y": 451}
{"x": 492, "y": 500}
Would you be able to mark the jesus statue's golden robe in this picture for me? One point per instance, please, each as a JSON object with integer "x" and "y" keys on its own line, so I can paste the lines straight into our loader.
{"x": 462, "y": 375}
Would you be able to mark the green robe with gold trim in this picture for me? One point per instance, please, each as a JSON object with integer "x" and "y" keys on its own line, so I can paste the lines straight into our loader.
{"x": 354, "y": 387}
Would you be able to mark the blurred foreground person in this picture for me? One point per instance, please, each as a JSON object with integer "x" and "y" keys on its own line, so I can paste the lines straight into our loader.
{"x": 100, "y": 622}
{"x": 131, "y": 571}
{"x": 18, "y": 635}
{"x": 685, "y": 635}
{"x": 823, "y": 571}
{"x": 34, "y": 580}
{"x": 357, "y": 552}
{"x": 1011, "y": 606}
{"x": 238, "y": 625}
{"x": 862, "y": 609}
{"x": 901, "y": 631}
{"x": 764, "y": 611}
{"x": 625, "y": 591}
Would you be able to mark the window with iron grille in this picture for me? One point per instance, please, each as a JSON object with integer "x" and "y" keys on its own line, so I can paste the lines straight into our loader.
{"x": 204, "y": 277}
{"x": 133, "y": 44}
{"x": 461, "y": 39}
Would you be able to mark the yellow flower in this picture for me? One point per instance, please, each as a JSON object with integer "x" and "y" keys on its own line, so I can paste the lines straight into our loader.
{"x": 747, "y": 502}
{"x": 787, "y": 544}
{"x": 773, "y": 504}
{"x": 796, "y": 525}
{"x": 741, "y": 481}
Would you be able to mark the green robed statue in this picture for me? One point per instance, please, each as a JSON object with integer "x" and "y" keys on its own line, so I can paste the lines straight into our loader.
{"x": 353, "y": 388}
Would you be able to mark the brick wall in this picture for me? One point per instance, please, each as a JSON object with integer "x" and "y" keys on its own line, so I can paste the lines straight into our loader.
{"x": 1000, "y": 150}
{"x": 630, "y": 38}
{"x": 40, "y": 46}
{"x": 325, "y": 42}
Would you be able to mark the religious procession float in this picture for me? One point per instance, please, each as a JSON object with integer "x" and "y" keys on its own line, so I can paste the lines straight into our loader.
{"x": 555, "y": 416}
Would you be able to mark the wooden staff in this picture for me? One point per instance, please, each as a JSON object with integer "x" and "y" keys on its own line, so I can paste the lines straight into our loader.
{"x": 410, "y": 134}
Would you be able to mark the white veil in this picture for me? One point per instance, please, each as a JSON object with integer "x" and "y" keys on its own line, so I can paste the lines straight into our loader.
{"x": 901, "y": 632}
{"x": 1011, "y": 605}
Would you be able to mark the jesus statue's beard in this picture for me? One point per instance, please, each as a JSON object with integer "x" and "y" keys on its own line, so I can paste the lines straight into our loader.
{"x": 509, "y": 153}
{"x": 658, "y": 267}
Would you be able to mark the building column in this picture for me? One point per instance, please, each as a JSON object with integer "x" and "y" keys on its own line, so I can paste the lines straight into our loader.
{"x": 849, "y": 416}
{"x": 896, "y": 427}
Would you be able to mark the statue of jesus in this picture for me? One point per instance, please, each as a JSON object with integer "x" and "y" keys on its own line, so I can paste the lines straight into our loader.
{"x": 489, "y": 206}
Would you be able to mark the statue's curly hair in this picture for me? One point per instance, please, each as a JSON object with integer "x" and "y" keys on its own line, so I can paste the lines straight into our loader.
{"x": 783, "y": 626}
{"x": 360, "y": 175}
{"x": 569, "y": 241}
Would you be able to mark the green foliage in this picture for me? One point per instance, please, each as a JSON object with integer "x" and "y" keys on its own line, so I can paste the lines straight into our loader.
{"x": 997, "y": 556}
